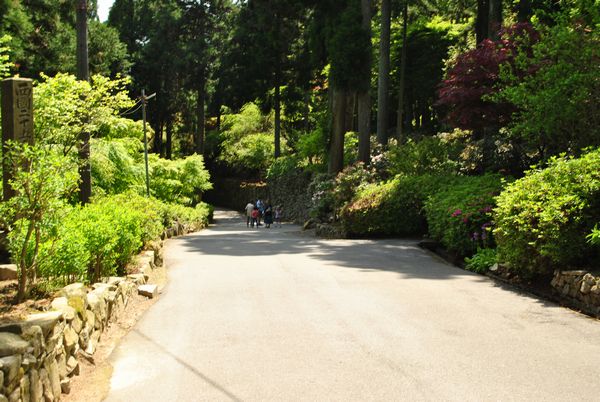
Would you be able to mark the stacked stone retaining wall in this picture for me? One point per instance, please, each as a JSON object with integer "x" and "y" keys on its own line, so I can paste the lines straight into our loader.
{"x": 39, "y": 354}
{"x": 289, "y": 191}
{"x": 579, "y": 288}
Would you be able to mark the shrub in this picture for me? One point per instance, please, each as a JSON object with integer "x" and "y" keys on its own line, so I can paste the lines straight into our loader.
{"x": 100, "y": 239}
{"x": 178, "y": 181}
{"x": 321, "y": 197}
{"x": 482, "y": 260}
{"x": 245, "y": 140}
{"x": 430, "y": 155}
{"x": 460, "y": 215}
{"x": 41, "y": 181}
{"x": 391, "y": 208}
{"x": 542, "y": 219}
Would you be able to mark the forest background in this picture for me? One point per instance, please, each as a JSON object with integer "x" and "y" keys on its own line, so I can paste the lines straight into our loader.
{"x": 475, "y": 123}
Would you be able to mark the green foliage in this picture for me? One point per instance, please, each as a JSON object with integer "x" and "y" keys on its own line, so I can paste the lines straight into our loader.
{"x": 41, "y": 181}
{"x": 348, "y": 182}
{"x": 322, "y": 201}
{"x": 178, "y": 181}
{"x": 482, "y": 260}
{"x": 594, "y": 236}
{"x": 5, "y": 64}
{"x": 460, "y": 214}
{"x": 348, "y": 47}
{"x": 430, "y": 155}
{"x": 542, "y": 219}
{"x": 394, "y": 207}
{"x": 65, "y": 106}
{"x": 313, "y": 145}
{"x": 101, "y": 238}
{"x": 283, "y": 166}
{"x": 247, "y": 142}
{"x": 558, "y": 99}
{"x": 117, "y": 166}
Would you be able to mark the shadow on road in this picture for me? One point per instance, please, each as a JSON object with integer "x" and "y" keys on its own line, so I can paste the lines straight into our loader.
{"x": 229, "y": 236}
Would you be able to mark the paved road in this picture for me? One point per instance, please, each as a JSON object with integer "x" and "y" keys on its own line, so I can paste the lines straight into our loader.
{"x": 274, "y": 315}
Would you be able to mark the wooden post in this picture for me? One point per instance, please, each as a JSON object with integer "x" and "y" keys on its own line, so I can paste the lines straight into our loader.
{"x": 17, "y": 121}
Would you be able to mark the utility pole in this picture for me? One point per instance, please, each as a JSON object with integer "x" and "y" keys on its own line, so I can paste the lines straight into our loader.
{"x": 83, "y": 74}
{"x": 144, "y": 99}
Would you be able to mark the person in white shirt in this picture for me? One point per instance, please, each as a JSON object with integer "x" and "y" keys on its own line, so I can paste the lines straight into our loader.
{"x": 249, "y": 208}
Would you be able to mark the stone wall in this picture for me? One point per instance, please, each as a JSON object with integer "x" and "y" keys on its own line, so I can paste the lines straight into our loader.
{"x": 289, "y": 191}
{"x": 580, "y": 288}
{"x": 235, "y": 193}
{"x": 39, "y": 354}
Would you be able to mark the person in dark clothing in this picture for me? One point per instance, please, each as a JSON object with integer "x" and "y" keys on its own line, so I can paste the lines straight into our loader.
{"x": 268, "y": 215}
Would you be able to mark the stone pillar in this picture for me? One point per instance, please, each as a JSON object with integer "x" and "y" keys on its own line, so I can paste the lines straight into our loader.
{"x": 17, "y": 119}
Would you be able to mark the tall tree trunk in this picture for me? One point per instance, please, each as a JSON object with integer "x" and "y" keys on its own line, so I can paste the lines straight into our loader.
{"x": 494, "y": 19}
{"x": 277, "y": 87}
{"x": 524, "y": 10}
{"x": 201, "y": 118}
{"x": 384, "y": 72}
{"x": 363, "y": 97}
{"x": 158, "y": 137}
{"x": 350, "y": 108}
{"x": 481, "y": 23}
{"x": 277, "y": 117}
{"x": 83, "y": 74}
{"x": 169, "y": 141}
{"x": 338, "y": 129}
{"x": 400, "y": 117}
{"x": 306, "y": 110}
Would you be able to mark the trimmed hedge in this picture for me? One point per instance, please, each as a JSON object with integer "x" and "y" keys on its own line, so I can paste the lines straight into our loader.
{"x": 542, "y": 220}
{"x": 459, "y": 216}
{"x": 101, "y": 238}
{"x": 394, "y": 207}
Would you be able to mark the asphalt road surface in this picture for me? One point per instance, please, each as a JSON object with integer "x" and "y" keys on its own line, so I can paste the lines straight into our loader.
{"x": 276, "y": 315}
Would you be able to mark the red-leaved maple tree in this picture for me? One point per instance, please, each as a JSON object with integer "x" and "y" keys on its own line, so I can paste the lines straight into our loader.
{"x": 465, "y": 93}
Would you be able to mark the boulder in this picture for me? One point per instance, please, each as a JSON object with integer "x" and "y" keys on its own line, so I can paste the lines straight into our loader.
{"x": 25, "y": 388}
{"x": 76, "y": 294}
{"x": 54, "y": 376}
{"x": 11, "y": 344}
{"x": 90, "y": 318}
{"x": 36, "y": 388}
{"x": 11, "y": 366}
{"x": 150, "y": 291}
{"x": 114, "y": 280}
{"x": 585, "y": 287}
{"x": 47, "y": 321}
{"x": 65, "y": 386}
{"x": 84, "y": 337}
{"x": 77, "y": 323}
{"x": 61, "y": 361}
{"x": 138, "y": 279}
{"x": 70, "y": 340}
{"x": 72, "y": 366}
{"x": 8, "y": 272}
{"x": 97, "y": 306}
{"x": 46, "y": 385}
{"x": 29, "y": 361}
{"x": 62, "y": 304}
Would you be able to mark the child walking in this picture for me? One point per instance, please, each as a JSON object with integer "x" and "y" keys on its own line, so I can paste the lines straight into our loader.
{"x": 278, "y": 215}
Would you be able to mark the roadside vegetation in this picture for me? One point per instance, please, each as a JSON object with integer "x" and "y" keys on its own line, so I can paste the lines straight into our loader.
{"x": 474, "y": 125}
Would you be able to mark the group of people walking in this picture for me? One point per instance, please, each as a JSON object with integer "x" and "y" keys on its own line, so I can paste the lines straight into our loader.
{"x": 259, "y": 210}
